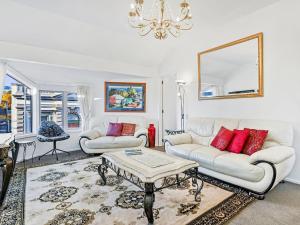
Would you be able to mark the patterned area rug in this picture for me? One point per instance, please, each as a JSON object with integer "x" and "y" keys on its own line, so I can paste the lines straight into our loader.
{"x": 72, "y": 193}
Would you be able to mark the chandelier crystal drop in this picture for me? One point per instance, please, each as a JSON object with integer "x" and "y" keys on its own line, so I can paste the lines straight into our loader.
{"x": 160, "y": 20}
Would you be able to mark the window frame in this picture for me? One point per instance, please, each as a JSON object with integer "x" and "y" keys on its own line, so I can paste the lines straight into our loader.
{"x": 10, "y": 74}
{"x": 64, "y": 110}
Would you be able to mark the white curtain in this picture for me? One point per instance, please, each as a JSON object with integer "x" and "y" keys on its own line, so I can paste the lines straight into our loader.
{"x": 2, "y": 75}
{"x": 83, "y": 93}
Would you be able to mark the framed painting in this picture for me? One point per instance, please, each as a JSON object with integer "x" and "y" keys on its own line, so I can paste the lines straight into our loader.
{"x": 125, "y": 97}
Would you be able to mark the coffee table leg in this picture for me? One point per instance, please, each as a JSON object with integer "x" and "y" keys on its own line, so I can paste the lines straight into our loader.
{"x": 198, "y": 187}
{"x": 148, "y": 201}
{"x": 102, "y": 170}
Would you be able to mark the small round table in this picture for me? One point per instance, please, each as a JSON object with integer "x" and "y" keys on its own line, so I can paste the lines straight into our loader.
{"x": 25, "y": 144}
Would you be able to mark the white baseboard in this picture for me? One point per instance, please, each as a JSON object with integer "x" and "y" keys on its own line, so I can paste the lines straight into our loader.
{"x": 292, "y": 181}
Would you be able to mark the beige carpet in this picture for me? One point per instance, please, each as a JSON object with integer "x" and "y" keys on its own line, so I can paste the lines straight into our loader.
{"x": 70, "y": 193}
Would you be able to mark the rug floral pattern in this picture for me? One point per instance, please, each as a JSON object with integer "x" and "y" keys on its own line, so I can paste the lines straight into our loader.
{"x": 72, "y": 193}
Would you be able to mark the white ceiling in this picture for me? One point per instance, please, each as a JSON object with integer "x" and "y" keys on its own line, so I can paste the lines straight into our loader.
{"x": 99, "y": 29}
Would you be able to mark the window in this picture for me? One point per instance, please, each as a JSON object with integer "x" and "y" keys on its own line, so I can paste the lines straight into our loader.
{"x": 16, "y": 107}
{"x": 61, "y": 107}
{"x": 51, "y": 106}
{"x": 73, "y": 111}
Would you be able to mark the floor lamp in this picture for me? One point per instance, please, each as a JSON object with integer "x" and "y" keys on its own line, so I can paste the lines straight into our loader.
{"x": 181, "y": 93}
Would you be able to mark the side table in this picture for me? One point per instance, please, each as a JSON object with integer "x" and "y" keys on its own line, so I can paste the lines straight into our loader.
{"x": 25, "y": 144}
{"x": 174, "y": 132}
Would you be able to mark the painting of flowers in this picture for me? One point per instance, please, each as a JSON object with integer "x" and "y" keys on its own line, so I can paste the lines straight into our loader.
{"x": 125, "y": 97}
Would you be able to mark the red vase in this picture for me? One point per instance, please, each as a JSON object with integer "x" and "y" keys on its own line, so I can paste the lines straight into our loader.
{"x": 151, "y": 136}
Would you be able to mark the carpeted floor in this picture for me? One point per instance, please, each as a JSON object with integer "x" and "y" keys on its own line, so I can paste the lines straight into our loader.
{"x": 281, "y": 206}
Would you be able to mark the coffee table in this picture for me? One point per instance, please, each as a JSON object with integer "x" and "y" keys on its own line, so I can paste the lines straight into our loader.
{"x": 151, "y": 172}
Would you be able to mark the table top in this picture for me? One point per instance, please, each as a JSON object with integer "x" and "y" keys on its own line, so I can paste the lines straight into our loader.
{"x": 151, "y": 166}
{"x": 25, "y": 141}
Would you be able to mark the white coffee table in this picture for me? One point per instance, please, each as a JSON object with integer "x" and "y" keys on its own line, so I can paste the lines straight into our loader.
{"x": 147, "y": 169}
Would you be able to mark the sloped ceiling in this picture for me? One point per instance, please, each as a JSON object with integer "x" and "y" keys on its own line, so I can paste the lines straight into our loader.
{"x": 97, "y": 33}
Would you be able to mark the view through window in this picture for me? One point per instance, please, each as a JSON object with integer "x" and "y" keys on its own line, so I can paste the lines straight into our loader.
{"x": 16, "y": 107}
{"x": 73, "y": 110}
{"x": 51, "y": 106}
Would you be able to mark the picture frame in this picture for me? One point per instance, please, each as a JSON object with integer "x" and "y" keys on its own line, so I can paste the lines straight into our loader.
{"x": 125, "y": 97}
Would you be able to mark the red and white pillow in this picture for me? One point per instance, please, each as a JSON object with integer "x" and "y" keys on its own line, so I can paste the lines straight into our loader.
{"x": 247, "y": 141}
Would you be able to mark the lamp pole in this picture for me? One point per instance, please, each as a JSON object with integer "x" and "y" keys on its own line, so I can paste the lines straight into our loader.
{"x": 181, "y": 93}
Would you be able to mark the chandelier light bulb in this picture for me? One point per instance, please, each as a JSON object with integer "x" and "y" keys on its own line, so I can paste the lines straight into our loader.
{"x": 160, "y": 22}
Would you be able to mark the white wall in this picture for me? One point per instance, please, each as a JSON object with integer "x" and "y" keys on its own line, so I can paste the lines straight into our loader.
{"x": 96, "y": 84}
{"x": 153, "y": 100}
{"x": 280, "y": 25}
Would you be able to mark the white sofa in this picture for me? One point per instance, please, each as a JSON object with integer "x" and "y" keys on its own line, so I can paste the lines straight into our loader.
{"x": 258, "y": 173}
{"x": 95, "y": 141}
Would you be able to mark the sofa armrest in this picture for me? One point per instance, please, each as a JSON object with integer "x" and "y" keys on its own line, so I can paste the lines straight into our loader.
{"x": 141, "y": 132}
{"x": 178, "y": 139}
{"x": 90, "y": 134}
{"x": 275, "y": 155}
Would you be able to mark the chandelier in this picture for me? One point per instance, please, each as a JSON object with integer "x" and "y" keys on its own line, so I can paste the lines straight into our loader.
{"x": 160, "y": 21}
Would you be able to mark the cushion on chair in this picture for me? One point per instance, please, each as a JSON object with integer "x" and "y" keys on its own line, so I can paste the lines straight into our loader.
{"x": 113, "y": 142}
{"x": 50, "y": 131}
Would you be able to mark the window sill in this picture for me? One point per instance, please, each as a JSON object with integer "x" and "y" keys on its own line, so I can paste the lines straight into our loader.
{"x": 73, "y": 130}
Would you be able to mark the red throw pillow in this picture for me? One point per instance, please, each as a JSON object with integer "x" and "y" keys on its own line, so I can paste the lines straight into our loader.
{"x": 114, "y": 129}
{"x": 255, "y": 141}
{"x": 223, "y": 138}
{"x": 128, "y": 129}
{"x": 238, "y": 141}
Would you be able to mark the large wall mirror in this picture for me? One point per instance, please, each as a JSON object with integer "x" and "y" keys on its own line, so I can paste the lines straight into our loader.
{"x": 233, "y": 70}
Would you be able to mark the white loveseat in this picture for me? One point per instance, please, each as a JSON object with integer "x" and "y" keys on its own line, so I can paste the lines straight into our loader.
{"x": 95, "y": 141}
{"x": 257, "y": 173}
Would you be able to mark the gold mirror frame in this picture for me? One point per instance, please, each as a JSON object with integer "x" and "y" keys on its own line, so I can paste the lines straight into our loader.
{"x": 260, "y": 93}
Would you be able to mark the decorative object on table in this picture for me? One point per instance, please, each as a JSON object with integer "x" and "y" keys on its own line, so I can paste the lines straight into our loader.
{"x": 151, "y": 135}
{"x": 133, "y": 152}
{"x": 125, "y": 97}
{"x": 174, "y": 132}
{"x": 51, "y": 132}
{"x": 161, "y": 21}
{"x": 181, "y": 93}
{"x": 25, "y": 144}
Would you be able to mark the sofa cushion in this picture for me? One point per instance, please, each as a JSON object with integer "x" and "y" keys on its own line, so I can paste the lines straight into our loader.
{"x": 255, "y": 141}
{"x": 183, "y": 150}
{"x": 238, "y": 141}
{"x": 205, "y": 156}
{"x": 128, "y": 129}
{"x": 114, "y": 129}
{"x": 230, "y": 124}
{"x": 201, "y": 126}
{"x": 114, "y": 142}
{"x": 223, "y": 139}
{"x": 280, "y": 132}
{"x": 238, "y": 165}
